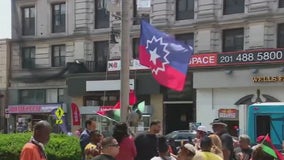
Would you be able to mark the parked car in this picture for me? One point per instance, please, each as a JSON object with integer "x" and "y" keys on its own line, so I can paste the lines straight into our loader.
{"x": 181, "y": 135}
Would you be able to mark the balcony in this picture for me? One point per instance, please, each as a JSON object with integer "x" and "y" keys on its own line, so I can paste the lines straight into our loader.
{"x": 94, "y": 66}
{"x": 58, "y": 72}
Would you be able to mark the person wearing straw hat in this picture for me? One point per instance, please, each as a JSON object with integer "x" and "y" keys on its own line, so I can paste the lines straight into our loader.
{"x": 220, "y": 128}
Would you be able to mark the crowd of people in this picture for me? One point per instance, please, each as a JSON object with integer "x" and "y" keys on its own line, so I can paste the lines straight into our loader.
{"x": 219, "y": 145}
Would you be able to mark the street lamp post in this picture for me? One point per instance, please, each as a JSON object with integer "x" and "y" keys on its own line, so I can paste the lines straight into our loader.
{"x": 125, "y": 53}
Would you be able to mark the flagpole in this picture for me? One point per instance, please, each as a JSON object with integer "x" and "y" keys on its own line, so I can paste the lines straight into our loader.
{"x": 107, "y": 118}
{"x": 264, "y": 139}
{"x": 125, "y": 56}
{"x": 115, "y": 121}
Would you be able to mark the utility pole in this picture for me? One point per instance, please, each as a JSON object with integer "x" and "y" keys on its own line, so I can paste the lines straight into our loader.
{"x": 126, "y": 6}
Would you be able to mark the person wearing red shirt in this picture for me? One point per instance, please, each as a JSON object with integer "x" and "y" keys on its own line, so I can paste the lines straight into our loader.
{"x": 34, "y": 149}
{"x": 126, "y": 143}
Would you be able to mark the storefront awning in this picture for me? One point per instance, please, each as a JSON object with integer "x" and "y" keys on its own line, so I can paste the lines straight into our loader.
{"x": 42, "y": 108}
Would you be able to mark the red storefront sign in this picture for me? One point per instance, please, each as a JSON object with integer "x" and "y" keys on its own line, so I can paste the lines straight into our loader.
{"x": 12, "y": 109}
{"x": 245, "y": 57}
{"x": 228, "y": 113}
{"x": 106, "y": 108}
{"x": 203, "y": 60}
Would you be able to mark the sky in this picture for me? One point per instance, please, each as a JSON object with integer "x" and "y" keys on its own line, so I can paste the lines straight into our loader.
{"x": 5, "y": 19}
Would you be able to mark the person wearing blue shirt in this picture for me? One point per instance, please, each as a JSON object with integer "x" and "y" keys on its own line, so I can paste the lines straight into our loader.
{"x": 90, "y": 125}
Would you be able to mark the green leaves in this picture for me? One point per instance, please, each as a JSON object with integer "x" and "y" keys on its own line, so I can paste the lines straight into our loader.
{"x": 60, "y": 146}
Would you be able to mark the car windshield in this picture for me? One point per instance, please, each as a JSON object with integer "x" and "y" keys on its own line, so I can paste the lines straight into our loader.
{"x": 171, "y": 135}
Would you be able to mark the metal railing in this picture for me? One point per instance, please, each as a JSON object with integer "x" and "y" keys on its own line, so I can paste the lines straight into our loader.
{"x": 93, "y": 66}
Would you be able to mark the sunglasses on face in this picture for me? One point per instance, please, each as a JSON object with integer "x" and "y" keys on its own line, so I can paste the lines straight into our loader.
{"x": 113, "y": 145}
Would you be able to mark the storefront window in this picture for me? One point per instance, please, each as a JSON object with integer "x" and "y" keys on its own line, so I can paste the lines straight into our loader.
{"x": 24, "y": 123}
{"x": 41, "y": 96}
{"x": 107, "y": 99}
{"x": 55, "y": 95}
{"x": 60, "y": 95}
{"x": 32, "y": 96}
{"x": 51, "y": 96}
{"x": 187, "y": 94}
{"x": 145, "y": 98}
{"x": 91, "y": 102}
{"x": 104, "y": 125}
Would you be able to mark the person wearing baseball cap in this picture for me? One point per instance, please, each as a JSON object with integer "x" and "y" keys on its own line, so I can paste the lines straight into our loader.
{"x": 187, "y": 152}
{"x": 220, "y": 128}
{"x": 202, "y": 129}
{"x": 201, "y": 132}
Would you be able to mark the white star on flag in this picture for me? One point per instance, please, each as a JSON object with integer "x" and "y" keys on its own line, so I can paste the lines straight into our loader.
{"x": 154, "y": 54}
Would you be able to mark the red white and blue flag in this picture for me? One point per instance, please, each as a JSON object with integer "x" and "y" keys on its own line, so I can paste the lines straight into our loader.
{"x": 167, "y": 58}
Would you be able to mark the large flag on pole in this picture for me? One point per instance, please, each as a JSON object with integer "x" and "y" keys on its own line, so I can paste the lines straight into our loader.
{"x": 167, "y": 58}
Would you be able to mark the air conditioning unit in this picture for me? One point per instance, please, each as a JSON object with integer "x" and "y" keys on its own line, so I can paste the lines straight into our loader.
{"x": 115, "y": 49}
{"x": 143, "y": 4}
{"x": 114, "y": 6}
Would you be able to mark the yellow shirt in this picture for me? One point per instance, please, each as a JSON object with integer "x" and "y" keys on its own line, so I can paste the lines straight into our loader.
{"x": 200, "y": 155}
{"x": 91, "y": 150}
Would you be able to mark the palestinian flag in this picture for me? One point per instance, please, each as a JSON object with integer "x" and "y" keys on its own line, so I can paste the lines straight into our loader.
{"x": 270, "y": 149}
{"x": 114, "y": 111}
